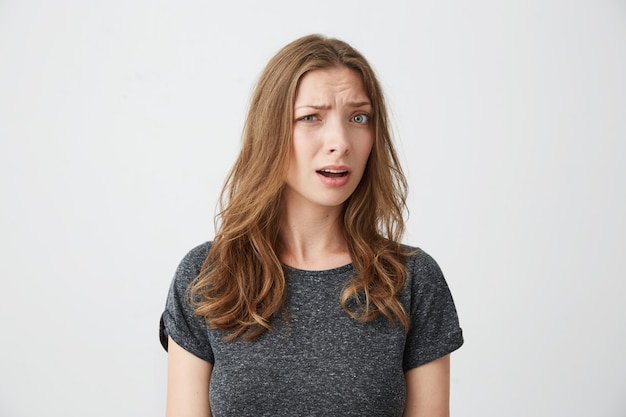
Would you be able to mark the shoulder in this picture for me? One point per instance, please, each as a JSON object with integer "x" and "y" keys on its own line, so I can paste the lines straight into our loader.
{"x": 420, "y": 263}
{"x": 196, "y": 256}
{"x": 179, "y": 319}
{"x": 425, "y": 278}
{"x": 435, "y": 329}
{"x": 191, "y": 264}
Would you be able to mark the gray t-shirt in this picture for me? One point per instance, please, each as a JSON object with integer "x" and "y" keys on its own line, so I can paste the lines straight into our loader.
{"x": 321, "y": 362}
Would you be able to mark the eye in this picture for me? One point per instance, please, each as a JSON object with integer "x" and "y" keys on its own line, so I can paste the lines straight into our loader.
{"x": 361, "y": 119}
{"x": 308, "y": 118}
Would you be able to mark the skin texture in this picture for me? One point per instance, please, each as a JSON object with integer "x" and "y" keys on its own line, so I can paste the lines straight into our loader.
{"x": 332, "y": 130}
{"x": 188, "y": 379}
{"x": 428, "y": 389}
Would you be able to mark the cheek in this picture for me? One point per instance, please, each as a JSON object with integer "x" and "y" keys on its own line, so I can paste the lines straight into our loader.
{"x": 302, "y": 147}
{"x": 299, "y": 153}
{"x": 366, "y": 149}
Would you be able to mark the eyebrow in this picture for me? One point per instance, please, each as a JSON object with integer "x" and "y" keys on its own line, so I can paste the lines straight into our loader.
{"x": 353, "y": 104}
{"x": 359, "y": 103}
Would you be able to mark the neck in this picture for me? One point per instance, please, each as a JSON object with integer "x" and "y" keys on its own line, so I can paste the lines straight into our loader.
{"x": 313, "y": 239}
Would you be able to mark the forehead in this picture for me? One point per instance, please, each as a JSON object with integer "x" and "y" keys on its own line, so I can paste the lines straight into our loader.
{"x": 328, "y": 83}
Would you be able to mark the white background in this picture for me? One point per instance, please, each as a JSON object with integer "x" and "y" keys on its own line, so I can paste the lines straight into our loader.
{"x": 120, "y": 119}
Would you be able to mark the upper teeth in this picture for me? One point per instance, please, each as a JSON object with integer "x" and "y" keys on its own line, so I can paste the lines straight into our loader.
{"x": 334, "y": 171}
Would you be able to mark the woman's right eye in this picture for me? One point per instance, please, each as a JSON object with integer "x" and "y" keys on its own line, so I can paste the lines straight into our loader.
{"x": 308, "y": 118}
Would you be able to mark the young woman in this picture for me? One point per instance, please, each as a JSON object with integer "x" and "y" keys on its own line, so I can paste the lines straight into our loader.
{"x": 306, "y": 303}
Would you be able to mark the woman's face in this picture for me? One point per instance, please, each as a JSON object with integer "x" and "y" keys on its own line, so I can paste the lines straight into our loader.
{"x": 332, "y": 138}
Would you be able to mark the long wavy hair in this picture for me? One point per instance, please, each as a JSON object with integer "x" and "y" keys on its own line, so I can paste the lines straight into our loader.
{"x": 242, "y": 282}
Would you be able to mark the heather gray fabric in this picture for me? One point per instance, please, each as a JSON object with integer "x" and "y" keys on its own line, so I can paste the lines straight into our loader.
{"x": 323, "y": 363}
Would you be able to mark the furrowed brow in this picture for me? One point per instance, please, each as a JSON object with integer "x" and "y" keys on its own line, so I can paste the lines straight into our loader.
{"x": 314, "y": 106}
{"x": 357, "y": 104}
{"x": 353, "y": 104}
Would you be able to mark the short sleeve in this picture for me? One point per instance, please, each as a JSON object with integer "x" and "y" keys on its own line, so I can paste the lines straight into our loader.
{"x": 178, "y": 320}
{"x": 435, "y": 330}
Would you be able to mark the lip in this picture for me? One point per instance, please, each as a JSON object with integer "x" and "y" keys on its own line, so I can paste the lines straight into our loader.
{"x": 334, "y": 181}
{"x": 335, "y": 168}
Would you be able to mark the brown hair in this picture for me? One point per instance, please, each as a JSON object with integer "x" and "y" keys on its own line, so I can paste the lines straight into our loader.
{"x": 242, "y": 282}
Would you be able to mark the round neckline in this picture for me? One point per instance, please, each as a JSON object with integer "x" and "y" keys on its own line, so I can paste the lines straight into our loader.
{"x": 331, "y": 271}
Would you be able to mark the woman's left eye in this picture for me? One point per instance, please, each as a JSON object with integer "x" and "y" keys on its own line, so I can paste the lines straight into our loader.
{"x": 361, "y": 118}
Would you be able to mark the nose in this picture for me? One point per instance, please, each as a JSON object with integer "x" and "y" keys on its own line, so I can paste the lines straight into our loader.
{"x": 336, "y": 138}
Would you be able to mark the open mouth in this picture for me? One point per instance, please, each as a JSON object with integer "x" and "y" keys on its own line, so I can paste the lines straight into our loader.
{"x": 333, "y": 173}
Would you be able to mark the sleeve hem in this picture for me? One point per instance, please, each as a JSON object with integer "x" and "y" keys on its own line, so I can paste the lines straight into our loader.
{"x": 453, "y": 342}
{"x": 169, "y": 328}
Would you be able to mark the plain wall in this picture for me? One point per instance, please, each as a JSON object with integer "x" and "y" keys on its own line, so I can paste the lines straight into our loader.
{"x": 120, "y": 119}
